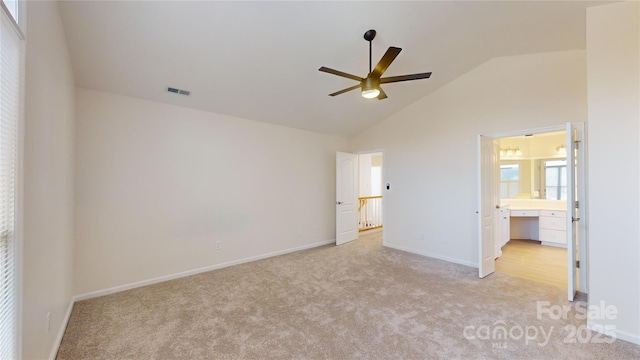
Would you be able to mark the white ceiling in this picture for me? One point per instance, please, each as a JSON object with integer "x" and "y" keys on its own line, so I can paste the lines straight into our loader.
{"x": 260, "y": 60}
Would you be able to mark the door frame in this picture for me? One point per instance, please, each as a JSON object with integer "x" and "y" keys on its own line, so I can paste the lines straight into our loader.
{"x": 383, "y": 191}
{"x": 583, "y": 240}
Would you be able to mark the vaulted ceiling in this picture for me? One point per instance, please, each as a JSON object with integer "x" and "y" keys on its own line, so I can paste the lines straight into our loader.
{"x": 260, "y": 60}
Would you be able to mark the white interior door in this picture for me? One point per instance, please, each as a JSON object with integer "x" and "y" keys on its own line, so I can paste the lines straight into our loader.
{"x": 573, "y": 216}
{"x": 346, "y": 197}
{"x": 489, "y": 190}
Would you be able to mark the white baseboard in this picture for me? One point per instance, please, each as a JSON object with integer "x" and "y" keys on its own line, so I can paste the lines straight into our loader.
{"x": 619, "y": 334}
{"x": 546, "y": 243}
{"x": 160, "y": 279}
{"x": 61, "y": 331}
{"x": 434, "y": 256}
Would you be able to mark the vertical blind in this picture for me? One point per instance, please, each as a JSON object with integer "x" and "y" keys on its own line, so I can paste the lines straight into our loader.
{"x": 11, "y": 48}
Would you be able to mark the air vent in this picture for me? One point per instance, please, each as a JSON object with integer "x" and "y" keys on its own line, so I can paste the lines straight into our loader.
{"x": 178, "y": 91}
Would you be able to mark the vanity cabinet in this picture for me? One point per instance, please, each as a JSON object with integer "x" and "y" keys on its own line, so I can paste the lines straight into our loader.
{"x": 525, "y": 213}
{"x": 504, "y": 222}
{"x": 547, "y": 226}
{"x": 502, "y": 230}
{"x": 524, "y": 224}
{"x": 553, "y": 227}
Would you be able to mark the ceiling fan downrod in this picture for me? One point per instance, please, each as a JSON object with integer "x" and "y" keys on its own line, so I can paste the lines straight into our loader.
{"x": 369, "y": 36}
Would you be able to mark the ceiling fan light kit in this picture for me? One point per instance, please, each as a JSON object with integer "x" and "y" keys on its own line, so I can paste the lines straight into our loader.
{"x": 370, "y": 85}
{"x": 370, "y": 88}
{"x": 371, "y": 93}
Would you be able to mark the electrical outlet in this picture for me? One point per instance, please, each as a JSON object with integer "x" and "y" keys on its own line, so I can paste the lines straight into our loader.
{"x": 218, "y": 245}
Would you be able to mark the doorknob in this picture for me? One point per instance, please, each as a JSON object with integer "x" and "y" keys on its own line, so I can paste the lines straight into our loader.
{"x": 339, "y": 202}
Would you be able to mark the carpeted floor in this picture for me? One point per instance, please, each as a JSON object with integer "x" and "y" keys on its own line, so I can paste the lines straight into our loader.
{"x": 358, "y": 300}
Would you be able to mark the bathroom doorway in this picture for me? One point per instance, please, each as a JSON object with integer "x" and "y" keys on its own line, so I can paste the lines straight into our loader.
{"x": 537, "y": 190}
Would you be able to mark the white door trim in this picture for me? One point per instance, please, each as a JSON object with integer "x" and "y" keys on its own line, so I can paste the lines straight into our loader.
{"x": 541, "y": 130}
{"x": 572, "y": 231}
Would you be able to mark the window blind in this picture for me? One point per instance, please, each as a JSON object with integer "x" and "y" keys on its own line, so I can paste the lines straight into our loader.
{"x": 11, "y": 60}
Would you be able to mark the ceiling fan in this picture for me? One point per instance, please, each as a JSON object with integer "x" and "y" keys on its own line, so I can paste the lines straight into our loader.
{"x": 371, "y": 84}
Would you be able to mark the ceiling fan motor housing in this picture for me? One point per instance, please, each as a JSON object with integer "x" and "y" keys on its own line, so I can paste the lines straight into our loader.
{"x": 370, "y": 83}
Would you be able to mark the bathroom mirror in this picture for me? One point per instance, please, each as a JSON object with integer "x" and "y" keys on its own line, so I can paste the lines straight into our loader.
{"x": 533, "y": 167}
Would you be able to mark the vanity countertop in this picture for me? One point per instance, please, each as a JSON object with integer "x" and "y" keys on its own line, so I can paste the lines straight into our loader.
{"x": 534, "y": 204}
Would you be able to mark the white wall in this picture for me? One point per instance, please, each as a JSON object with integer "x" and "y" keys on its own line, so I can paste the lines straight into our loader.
{"x": 48, "y": 181}
{"x": 613, "y": 58}
{"x": 158, "y": 185}
{"x": 364, "y": 162}
{"x": 431, "y": 146}
{"x": 369, "y": 176}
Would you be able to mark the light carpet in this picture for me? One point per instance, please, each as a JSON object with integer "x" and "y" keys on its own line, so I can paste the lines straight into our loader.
{"x": 354, "y": 301}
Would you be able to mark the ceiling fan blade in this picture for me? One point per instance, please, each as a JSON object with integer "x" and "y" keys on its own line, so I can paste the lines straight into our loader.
{"x": 384, "y": 63}
{"x": 340, "y": 73}
{"x": 345, "y": 90}
{"x": 382, "y": 95}
{"x": 393, "y": 79}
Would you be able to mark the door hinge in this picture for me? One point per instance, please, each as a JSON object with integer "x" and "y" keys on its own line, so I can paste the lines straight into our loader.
{"x": 578, "y": 264}
{"x": 576, "y": 144}
{"x": 577, "y": 204}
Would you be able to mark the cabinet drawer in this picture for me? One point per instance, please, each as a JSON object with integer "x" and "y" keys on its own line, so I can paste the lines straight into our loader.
{"x": 525, "y": 213}
{"x": 553, "y": 223}
{"x": 554, "y": 213}
{"x": 553, "y": 236}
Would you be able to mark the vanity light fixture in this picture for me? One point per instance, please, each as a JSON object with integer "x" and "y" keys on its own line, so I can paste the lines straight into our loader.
{"x": 511, "y": 152}
{"x": 562, "y": 150}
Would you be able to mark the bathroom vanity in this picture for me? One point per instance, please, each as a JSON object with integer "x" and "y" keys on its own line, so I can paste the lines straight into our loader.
{"x": 536, "y": 219}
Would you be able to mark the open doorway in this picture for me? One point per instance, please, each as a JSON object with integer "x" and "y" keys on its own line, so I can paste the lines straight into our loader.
{"x": 531, "y": 186}
{"x": 359, "y": 203}
{"x": 370, "y": 208}
{"x": 531, "y": 239}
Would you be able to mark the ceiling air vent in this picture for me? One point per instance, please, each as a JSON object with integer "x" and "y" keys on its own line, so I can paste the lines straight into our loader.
{"x": 178, "y": 91}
